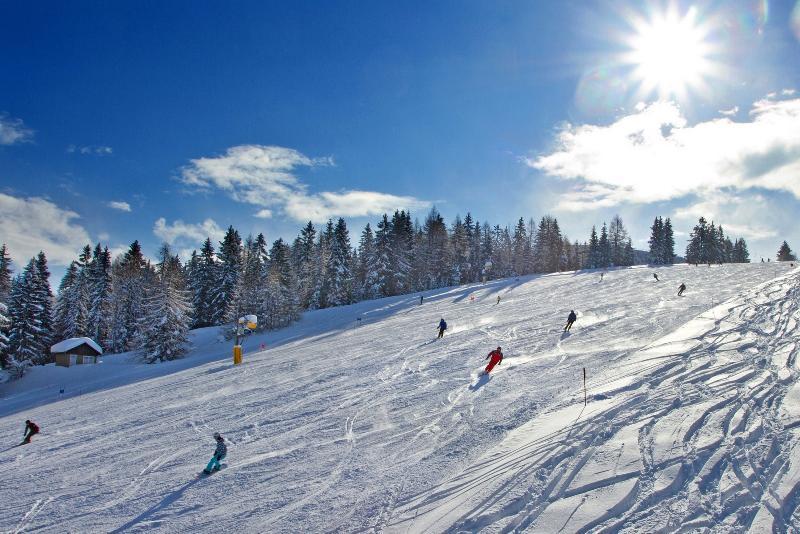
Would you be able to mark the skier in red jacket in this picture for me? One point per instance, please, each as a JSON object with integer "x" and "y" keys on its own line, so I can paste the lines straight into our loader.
{"x": 496, "y": 357}
{"x": 31, "y": 428}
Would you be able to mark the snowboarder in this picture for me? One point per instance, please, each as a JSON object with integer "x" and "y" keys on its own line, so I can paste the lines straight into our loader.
{"x": 681, "y": 289}
{"x": 496, "y": 357}
{"x": 570, "y": 319}
{"x": 442, "y": 327}
{"x": 31, "y": 428}
{"x": 655, "y": 275}
{"x": 219, "y": 455}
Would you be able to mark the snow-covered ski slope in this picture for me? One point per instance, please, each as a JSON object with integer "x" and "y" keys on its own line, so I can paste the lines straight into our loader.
{"x": 692, "y": 421}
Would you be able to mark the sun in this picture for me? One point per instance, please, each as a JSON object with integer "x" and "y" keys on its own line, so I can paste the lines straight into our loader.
{"x": 670, "y": 54}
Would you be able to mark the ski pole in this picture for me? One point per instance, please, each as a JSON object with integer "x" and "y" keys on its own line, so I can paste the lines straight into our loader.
{"x": 584, "y": 387}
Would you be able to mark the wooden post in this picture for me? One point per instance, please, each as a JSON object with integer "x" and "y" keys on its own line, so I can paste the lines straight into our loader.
{"x": 584, "y": 386}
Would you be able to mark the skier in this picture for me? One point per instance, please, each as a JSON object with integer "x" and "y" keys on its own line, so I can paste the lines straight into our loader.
{"x": 219, "y": 455}
{"x": 681, "y": 289}
{"x": 601, "y": 276}
{"x": 420, "y": 300}
{"x": 498, "y": 300}
{"x": 570, "y": 319}
{"x": 655, "y": 275}
{"x": 31, "y": 428}
{"x": 496, "y": 357}
{"x": 442, "y": 327}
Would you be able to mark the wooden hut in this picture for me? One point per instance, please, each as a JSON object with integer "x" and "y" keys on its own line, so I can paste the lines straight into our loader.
{"x": 76, "y": 351}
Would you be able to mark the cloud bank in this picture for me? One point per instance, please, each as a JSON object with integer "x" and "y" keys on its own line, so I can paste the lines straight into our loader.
{"x": 655, "y": 155}
{"x": 181, "y": 232}
{"x": 13, "y": 131}
{"x": 33, "y": 224}
{"x": 265, "y": 176}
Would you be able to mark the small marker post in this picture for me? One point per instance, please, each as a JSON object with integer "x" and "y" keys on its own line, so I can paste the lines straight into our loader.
{"x": 584, "y": 387}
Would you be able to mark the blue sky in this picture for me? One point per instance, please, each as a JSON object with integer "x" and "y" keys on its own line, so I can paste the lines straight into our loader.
{"x": 171, "y": 120}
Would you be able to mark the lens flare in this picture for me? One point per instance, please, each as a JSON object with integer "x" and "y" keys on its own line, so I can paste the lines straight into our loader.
{"x": 795, "y": 20}
{"x": 671, "y": 54}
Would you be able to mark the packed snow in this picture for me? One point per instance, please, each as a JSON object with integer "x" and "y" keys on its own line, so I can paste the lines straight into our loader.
{"x": 341, "y": 424}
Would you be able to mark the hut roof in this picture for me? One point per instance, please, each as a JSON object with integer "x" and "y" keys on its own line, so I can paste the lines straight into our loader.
{"x": 71, "y": 343}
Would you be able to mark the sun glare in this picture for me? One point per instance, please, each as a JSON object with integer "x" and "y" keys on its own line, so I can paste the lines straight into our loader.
{"x": 670, "y": 54}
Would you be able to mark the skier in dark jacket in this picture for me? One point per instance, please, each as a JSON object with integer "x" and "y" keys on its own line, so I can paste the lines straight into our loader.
{"x": 219, "y": 454}
{"x": 442, "y": 327}
{"x": 570, "y": 319}
{"x": 496, "y": 357}
{"x": 31, "y": 428}
{"x": 681, "y": 289}
{"x": 655, "y": 275}
{"x": 420, "y": 300}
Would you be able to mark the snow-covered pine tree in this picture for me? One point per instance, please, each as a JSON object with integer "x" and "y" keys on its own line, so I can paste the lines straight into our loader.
{"x": 253, "y": 278}
{"x": 401, "y": 251}
{"x": 45, "y": 300}
{"x": 229, "y": 270}
{"x": 460, "y": 243}
{"x": 486, "y": 252}
{"x": 628, "y": 256}
{"x": 6, "y": 362}
{"x": 697, "y": 247}
{"x": 282, "y": 305}
{"x": 548, "y": 245}
{"x": 203, "y": 285}
{"x": 668, "y": 244}
{"x": 740, "y": 252}
{"x": 593, "y": 255}
{"x": 131, "y": 275}
{"x": 617, "y": 239}
{"x": 386, "y": 280}
{"x": 100, "y": 304}
{"x": 367, "y": 271}
{"x": 321, "y": 283}
{"x": 522, "y": 250}
{"x": 604, "y": 248}
{"x": 5, "y": 274}
{"x": 304, "y": 261}
{"x": 165, "y": 323}
{"x": 339, "y": 267}
{"x": 28, "y": 340}
{"x": 63, "y": 317}
{"x": 656, "y": 242}
{"x": 785, "y": 253}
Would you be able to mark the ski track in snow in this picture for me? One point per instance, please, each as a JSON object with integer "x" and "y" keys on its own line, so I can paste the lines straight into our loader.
{"x": 692, "y": 420}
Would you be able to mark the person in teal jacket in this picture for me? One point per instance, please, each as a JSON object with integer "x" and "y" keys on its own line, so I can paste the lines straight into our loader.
{"x": 219, "y": 454}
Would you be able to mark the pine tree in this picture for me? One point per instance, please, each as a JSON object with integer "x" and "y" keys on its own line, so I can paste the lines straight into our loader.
{"x": 339, "y": 267}
{"x": 28, "y": 340}
{"x": 253, "y": 276}
{"x": 617, "y": 239}
{"x": 5, "y": 274}
{"x": 130, "y": 277}
{"x": 401, "y": 251}
{"x": 785, "y": 253}
{"x": 65, "y": 326}
{"x": 6, "y": 362}
{"x": 740, "y": 252}
{"x": 522, "y": 250}
{"x": 45, "y": 300}
{"x": 230, "y": 264}
{"x": 282, "y": 304}
{"x": 656, "y": 242}
{"x": 604, "y": 248}
{"x": 304, "y": 262}
{"x": 203, "y": 286}
{"x": 100, "y": 298}
{"x": 668, "y": 244}
{"x": 593, "y": 257}
{"x": 367, "y": 271}
{"x": 165, "y": 323}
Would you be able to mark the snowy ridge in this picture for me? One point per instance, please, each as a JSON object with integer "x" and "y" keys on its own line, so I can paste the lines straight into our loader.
{"x": 699, "y": 429}
{"x": 382, "y": 428}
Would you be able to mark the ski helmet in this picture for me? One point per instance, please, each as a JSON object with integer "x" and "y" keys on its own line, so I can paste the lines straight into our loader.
{"x": 216, "y": 435}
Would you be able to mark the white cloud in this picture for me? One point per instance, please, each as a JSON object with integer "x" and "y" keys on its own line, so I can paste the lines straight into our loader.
{"x": 265, "y": 176}
{"x": 788, "y": 92}
{"x": 741, "y": 215}
{"x": 33, "y": 224}
{"x": 729, "y": 112}
{"x": 654, "y": 155}
{"x": 13, "y": 131}
{"x": 90, "y": 149}
{"x": 119, "y": 205}
{"x": 182, "y": 232}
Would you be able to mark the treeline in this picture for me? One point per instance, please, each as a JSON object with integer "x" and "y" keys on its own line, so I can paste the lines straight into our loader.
{"x": 709, "y": 244}
{"x": 131, "y": 303}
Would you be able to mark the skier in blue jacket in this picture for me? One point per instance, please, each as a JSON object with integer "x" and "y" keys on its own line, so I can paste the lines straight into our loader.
{"x": 219, "y": 455}
{"x": 442, "y": 327}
